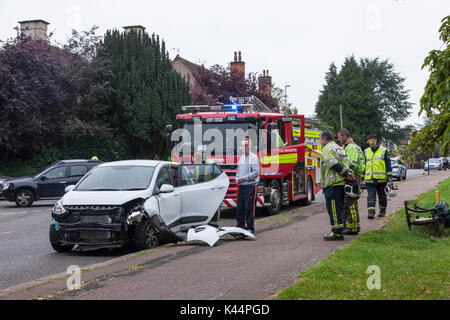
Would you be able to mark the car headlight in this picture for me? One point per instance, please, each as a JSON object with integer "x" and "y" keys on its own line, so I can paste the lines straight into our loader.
{"x": 59, "y": 209}
{"x": 6, "y": 185}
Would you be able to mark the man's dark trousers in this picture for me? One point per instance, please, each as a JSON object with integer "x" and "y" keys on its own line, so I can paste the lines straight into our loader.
{"x": 245, "y": 211}
{"x": 372, "y": 190}
{"x": 334, "y": 197}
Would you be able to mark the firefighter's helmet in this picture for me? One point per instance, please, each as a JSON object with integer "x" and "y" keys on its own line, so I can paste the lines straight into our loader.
{"x": 391, "y": 190}
{"x": 94, "y": 158}
{"x": 353, "y": 189}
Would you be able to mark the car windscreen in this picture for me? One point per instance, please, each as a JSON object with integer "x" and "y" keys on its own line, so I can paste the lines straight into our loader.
{"x": 117, "y": 178}
{"x": 435, "y": 160}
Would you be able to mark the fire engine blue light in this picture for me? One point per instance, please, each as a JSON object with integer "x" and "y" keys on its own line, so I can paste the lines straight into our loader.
{"x": 234, "y": 107}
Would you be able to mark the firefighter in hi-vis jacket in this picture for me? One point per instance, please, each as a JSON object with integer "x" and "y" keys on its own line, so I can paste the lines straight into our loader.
{"x": 334, "y": 171}
{"x": 378, "y": 173}
{"x": 357, "y": 164}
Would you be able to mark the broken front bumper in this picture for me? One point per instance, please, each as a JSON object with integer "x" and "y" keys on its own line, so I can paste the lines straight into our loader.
{"x": 92, "y": 226}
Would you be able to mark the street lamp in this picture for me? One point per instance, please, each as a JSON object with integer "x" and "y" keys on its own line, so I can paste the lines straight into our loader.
{"x": 285, "y": 94}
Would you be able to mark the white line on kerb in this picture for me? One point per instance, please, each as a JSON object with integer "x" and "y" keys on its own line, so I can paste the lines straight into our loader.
{"x": 2, "y": 233}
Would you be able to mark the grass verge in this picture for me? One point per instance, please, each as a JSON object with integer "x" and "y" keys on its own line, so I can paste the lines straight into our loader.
{"x": 412, "y": 265}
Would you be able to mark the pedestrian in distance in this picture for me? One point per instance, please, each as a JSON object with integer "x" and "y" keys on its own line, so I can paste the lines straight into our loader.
{"x": 247, "y": 178}
{"x": 378, "y": 174}
{"x": 334, "y": 171}
{"x": 357, "y": 165}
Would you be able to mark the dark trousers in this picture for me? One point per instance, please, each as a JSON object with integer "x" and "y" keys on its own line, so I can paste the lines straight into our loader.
{"x": 245, "y": 211}
{"x": 334, "y": 197}
{"x": 373, "y": 189}
{"x": 351, "y": 214}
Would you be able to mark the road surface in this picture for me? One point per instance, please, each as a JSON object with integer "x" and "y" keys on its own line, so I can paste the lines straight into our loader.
{"x": 26, "y": 254}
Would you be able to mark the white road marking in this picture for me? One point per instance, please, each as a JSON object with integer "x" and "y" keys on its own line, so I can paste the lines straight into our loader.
{"x": 13, "y": 213}
{"x": 2, "y": 233}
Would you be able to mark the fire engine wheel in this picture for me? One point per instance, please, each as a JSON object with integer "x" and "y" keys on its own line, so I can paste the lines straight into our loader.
{"x": 275, "y": 198}
{"x": 309, "y": 193}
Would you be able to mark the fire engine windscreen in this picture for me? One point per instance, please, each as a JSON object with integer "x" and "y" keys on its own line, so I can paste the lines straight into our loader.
{"x": 219, "y": 138}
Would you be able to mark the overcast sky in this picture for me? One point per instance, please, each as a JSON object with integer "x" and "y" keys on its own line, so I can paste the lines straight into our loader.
{"x": 295, "y": 40}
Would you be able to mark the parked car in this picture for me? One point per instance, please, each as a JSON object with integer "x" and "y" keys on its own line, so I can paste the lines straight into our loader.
{"x": 47, "y": 185}
{"x": 399, "y": 170}
{"x": 2, "y": 181}
{"x": 434, "y": 164}
{"x": 141, "y": 203}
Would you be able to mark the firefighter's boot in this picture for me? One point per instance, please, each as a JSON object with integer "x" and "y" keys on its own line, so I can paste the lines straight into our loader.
{"x": 334, "y": 236}
{"x": 382, "y": 212}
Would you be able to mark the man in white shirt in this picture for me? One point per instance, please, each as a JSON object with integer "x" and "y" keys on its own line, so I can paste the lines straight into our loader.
{"x": 247, "y": 177}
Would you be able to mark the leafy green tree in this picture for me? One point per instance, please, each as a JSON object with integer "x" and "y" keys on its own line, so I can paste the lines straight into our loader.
{"x": 148, "y": 92}
{"x": 371, "y": 95}
{"x": 435, "y": 101}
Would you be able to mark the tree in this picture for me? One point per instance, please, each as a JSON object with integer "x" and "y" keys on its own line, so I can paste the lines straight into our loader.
{"x": 33, "y": 87}
{"x": 148, "y": 92}
{"x": 53, "y": 97}
{"x": 372, "y": 97}
{"x": 217, "y": 84}
{"x": 284, "y": 106}
{"x": 435, "y": 101}
{"x": 89, "y": 72}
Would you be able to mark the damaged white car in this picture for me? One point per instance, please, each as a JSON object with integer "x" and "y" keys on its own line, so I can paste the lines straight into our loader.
{"x": 142, "y": 203}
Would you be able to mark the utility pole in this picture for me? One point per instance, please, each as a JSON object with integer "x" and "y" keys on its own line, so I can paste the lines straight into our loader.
{"x": 342, "y": 123}
{"x": 285, "y": 94}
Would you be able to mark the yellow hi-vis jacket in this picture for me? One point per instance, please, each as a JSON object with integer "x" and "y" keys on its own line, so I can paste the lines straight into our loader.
{"x": 356, "y": 157}
{"x": 333, "y": 154}
{"x": 376, "y": 165}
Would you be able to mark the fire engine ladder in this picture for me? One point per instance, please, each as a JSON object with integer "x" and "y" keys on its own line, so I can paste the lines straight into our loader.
{"x": 259, "y": 105}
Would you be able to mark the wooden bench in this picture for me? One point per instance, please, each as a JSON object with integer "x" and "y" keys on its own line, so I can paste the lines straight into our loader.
{"x": 417, "y": 216}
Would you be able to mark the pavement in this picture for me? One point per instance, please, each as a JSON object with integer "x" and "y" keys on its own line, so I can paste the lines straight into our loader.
{"x": 231, "y": 270}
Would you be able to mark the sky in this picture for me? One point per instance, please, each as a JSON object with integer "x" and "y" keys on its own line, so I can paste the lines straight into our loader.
{"x": 295, "y": 40}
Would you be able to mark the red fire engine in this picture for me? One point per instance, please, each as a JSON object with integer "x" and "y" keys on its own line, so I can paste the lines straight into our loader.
{"x": 287, "y": 171}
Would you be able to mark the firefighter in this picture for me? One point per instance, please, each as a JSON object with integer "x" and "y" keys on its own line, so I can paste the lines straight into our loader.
{"x": 357, "y": 165}
{"x": 334, "y": 171}
{"x": 378, "y": 173}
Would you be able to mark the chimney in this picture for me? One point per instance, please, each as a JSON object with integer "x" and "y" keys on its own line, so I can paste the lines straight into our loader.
{"x": 35, "y": 29}
{"x": 138, "y": 29}
{"x": 238, "y": 64}
{"x": 265, "y": 83}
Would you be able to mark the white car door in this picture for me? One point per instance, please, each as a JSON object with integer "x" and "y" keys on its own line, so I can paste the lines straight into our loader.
{"x": 202, "y": 191}
{"x": 169, "y": 203}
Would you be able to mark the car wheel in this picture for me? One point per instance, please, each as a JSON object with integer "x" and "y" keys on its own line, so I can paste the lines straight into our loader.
{"x": 146, "y": 235}
{"x": 309, "y": 193}
{"x": 404, "y": 177}
{"x": 24, "y": 198}
{"x": 55, "y": 237}
{"x": 275, "y": 198}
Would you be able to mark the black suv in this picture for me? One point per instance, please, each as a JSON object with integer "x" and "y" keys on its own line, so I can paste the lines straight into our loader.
{"x": 47, "y": 185}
